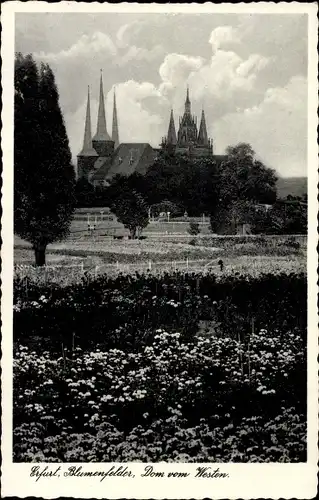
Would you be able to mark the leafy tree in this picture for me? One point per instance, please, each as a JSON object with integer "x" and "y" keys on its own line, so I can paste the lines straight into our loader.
{"x": 244, "y": 182}
{"x": 193, "y": 229}
{"x": 190, "y": 183}
{"x": 244, "y": 177}
{"x": 128, "y": 205}
{"x": 227, "y": 220}
{"x": 44, "y": 178}
{"x": 84, "y": 193}
{"x": 167, "y": 206}
{"x": 287, "y": 216}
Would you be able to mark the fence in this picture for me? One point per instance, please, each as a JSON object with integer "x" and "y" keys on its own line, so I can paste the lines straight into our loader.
{"x": 70, "y": 272}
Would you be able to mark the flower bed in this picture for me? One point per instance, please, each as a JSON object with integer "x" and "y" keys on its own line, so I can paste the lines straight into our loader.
{"x": 209, "y": 400}
{"x": 124, "y": 311}
{"x": 96, "y": 380}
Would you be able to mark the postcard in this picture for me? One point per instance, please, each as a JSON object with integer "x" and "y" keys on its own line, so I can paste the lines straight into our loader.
{"x": 159, "y": 263}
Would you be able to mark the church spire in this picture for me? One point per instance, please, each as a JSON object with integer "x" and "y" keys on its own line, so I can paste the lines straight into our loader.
{"x": 87, "y": 149}
{"x": 101, "y": 132}
{"x": 187, "y": 102}
{"x": 171, "y": 134}
{"x": 202, "y": 135}
{"x": 115, "y": 128}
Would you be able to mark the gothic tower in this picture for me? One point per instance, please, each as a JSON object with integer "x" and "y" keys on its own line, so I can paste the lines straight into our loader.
{"x": 187, "y": 102}
{"x": 171, "y": 134}
{"x": 188, "y": 140}
{"x": 88, "y": 155}
{"x": 115, "y": 128}
{"x": 102, "y": 142}
{"x": 187, "y": 133}
{"x": 202, "y": 134}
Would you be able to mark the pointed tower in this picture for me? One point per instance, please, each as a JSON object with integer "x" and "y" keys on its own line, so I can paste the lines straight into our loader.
{"x": 88, "y": 155}
{"x": 202, "y": 135}
{"x": 102, "y": 141}
{"x": 187, "y": 132}
{"x": 87, "y": 149}
{"x": 115, "y": 128}
{"x": 187, "y": 102}
{"x": 171, "y": 134}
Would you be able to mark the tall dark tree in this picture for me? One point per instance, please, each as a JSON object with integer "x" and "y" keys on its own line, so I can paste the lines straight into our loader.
{"x": 244, "y": 181}
{"x": 44, "y": 178}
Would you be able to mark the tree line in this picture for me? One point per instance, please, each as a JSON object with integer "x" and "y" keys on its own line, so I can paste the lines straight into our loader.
{"x": 238, "y": 190}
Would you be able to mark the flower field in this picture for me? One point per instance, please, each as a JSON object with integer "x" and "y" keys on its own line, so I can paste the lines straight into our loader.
{"x": 117, "y": 369}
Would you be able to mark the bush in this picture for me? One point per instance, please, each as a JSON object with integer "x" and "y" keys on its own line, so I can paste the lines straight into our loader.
{"x": 292, "y": 243}
{"x": 193, "y": 229}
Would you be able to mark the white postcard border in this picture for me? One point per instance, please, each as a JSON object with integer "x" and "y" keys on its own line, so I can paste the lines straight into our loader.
{"x": 245, "y": 480}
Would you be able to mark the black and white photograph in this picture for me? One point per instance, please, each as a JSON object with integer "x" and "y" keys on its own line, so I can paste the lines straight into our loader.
{"x": 163, "y": 212}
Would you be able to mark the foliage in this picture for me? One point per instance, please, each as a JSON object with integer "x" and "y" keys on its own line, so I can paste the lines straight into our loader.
{"x": 227, "y": 220}
{"x": 244, "y": 177}
{"x": 187, "y": 182}
{"x": 87, "y": 195}
{"x": 243, "y": 183}
{"x": 43, "y": 174}
{"x": 128, "y": 205}
{"x": 284, "y": 217}
{"x": 166, "y": 206}
{"x": 193, "y": 229}
{"x": 214, "y": 399}
{"x": 123, "y": 311}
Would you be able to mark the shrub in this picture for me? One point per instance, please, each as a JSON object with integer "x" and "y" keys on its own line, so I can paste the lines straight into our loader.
{"x": 292, "y": 243}
{"x": 193, "y": 229}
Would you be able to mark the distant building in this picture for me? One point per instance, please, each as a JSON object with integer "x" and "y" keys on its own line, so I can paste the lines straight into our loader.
{"x": 103, "y": 156}
{"x": 188, "y": 140}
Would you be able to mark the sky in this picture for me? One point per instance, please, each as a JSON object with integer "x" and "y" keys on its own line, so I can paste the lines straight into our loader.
{"x": 249, "y": 72}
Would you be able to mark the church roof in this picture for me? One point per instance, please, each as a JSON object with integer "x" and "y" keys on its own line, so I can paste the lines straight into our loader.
{"x": 127, "y": 158}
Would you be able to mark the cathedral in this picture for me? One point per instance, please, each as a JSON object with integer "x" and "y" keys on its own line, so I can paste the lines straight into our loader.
{"x": 103, "y": 156}
{"x": 188, "y": 140}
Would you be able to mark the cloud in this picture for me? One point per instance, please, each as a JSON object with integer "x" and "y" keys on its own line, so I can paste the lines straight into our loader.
{"x": 137, "y": 123}
{"x": 123, "y": 34}
{"x": 276, "y": 128}
{"x": 141, "y": 54}
{"x": 242, "y": 68}
{"x": 86, "y": 46}
{"x": 175, "y": 71}
{"x": 223, "y": 35}
{"x": 223, "y": 82}
{"x": 226, "y": 75}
